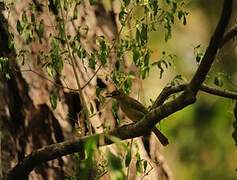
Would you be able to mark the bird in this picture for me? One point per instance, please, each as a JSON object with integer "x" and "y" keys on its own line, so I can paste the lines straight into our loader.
{"x": 135, "y": 111}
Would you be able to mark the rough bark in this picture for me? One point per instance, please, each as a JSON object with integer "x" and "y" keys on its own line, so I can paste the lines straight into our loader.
{"x": 28, "y": 122}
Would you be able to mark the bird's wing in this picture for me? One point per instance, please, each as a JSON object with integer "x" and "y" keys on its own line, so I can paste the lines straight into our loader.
{"x": 139, "y": 106}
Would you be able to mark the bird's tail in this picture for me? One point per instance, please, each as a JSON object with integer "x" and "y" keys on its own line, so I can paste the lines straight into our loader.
{"x": 162, "y": 138}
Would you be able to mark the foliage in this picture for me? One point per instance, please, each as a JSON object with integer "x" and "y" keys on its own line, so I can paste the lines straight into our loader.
{"x": 234, "y": 134}
{"x": 141, "y": 18}
{"x": 153, "y": 13}
{"x": 5, "y": 67}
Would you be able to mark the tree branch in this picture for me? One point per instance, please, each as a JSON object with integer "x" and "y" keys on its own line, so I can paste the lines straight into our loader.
{"x": 54, "y": 151}
{"x": 228, "y": 36}
{"x": 22, "y": 169}
{"x": 44, "y": 77}
{"x": 211, "y": 51}
{"x": 167, "y": 91}
{"x": 219, "y": 92}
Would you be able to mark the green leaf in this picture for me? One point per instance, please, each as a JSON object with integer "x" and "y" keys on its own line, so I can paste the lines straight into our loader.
{"x": 218, "y": 81}
{"x": 92, "y": 61}
{"x": 145, "y": 71}
{"x": 53, "y": 99}
{"x": 103, "y": 52}
{"x": 126, "y": 2}
{"x": 5, "y": 67}
{"x": 138, "y": 36}
{"x": 93, "y": 2}
{"x": 81, "y": 52}
{"x": 198, "y": 54}
{"x": 57, "y": 62}
{"x": 143, "y": 35}
{"x": 40, "y": 31}
{"x": 122, "y": 16}
{"x": 62, "y": 32}
{"x": 114, "y": 162}
{"x": 90, "y": 147}
{"x": 28, "y": 36}
{"x": 234, "y": 134}
{"x": 54, "y": 6}
{"x": 19, "y": 27}
{"x": 147, "y": 58}
{"x": 33, "y": 21}
{"x": 11, "y": 42}
{"x": 91, "y": 108}
{"x": 24, "y": 17}
{"x": 138, "y": 163}
{"x": 115, "y": 107}
{"x": 174, "y": 7}
{"x": 154, "y": 6}
{"x": 128, "y": 83}
{"x": 86, "y": 165}
{"x": 144, "y": 165}
{"x": 160, "y": 67}
{"x": 50, "y": 70}
{"x": 167, "y": 27}
{"x": 136, "y": 56}
{"x": 182, "y": 15}
{"x": 177, "y": 79}
{"x": 128, "y": 158}
{"x": 184, "y": 20}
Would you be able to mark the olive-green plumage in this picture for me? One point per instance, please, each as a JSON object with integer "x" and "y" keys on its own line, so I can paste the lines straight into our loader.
{"x": 135, "y": 111}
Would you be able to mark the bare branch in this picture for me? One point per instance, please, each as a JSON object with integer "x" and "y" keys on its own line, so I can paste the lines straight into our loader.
{"x": 44, "y": 77}
{"x": 211, "y": 51}
{"x": 57, "y": 150}
{"x": 125, "y": 132}
{"x": 110, "y": 49}
{"x": 228, "y": 36}
{"x": 142, "y": 127}
{"x": 167, "y": 91}
{"x": 219, "y": 92}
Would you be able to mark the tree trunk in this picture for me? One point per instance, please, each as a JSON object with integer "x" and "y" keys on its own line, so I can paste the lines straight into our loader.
{"x": 27, "y": 120}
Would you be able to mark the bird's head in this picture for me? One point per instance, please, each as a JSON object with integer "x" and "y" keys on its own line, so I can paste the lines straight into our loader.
{"x": 116, "y": 94}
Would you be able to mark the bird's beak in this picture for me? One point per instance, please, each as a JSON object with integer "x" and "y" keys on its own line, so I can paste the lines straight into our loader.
{"x": 108, "y": 95}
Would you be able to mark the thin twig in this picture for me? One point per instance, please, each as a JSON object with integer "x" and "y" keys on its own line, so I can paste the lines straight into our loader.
{"x": 110, "y": 50}
{"x": 73, "y": 59}
{"x": 51, "y": 81}
{"x": 211, "y": 51}
{"x": 228, "y": 36}
{"x": 167, "y": 91}
{"x": 147, "y": 173}
{"x": 130, "y": 149}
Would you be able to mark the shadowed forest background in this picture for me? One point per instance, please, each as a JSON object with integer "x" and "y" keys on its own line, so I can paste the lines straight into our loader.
{"x": 42, "y": 106}
{"x": 201, "y": 145}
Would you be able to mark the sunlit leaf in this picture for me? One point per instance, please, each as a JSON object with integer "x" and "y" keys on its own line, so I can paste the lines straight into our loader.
{"x": 53, "y": 99}
{"x": 103, "y": 52}
{"x": 92, "y": 61}
{"x": 24, "y": 17}
{"x": 218, "y": 81}
{"x": 19, "y": 27}
{"x": 122, "y": 16}
{"x": 41, "y": 29}
{"x": 138, "y": 163}
{"x": 128, "y": 157}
